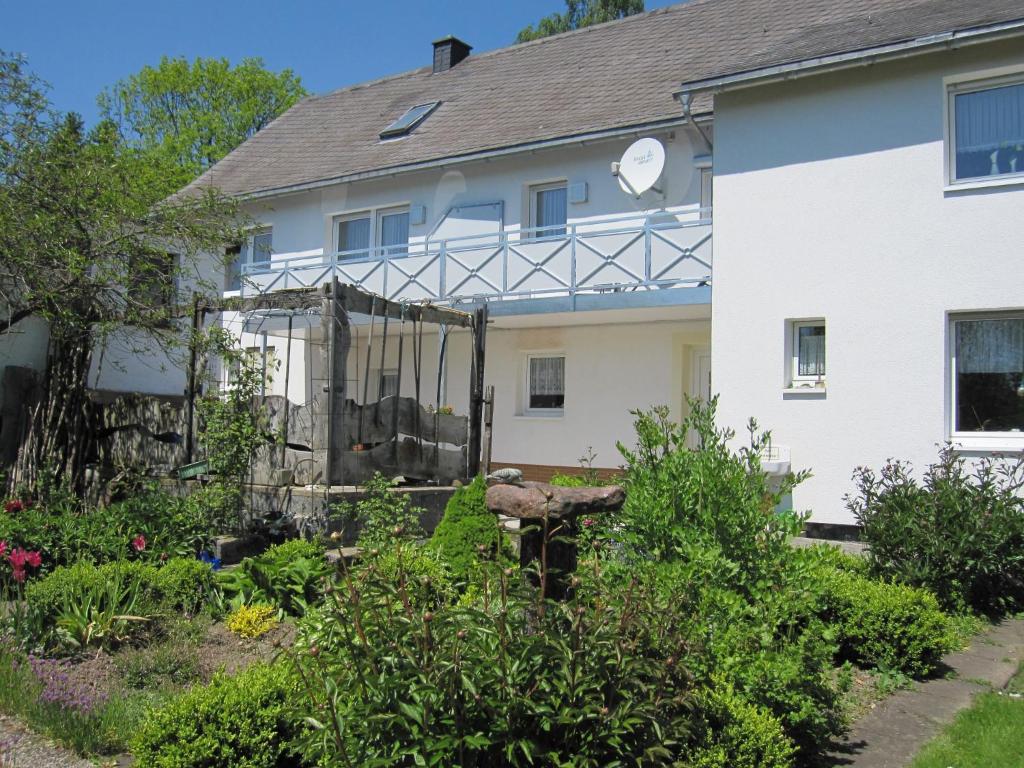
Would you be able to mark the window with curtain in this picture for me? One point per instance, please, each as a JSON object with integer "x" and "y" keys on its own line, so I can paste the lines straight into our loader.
{"x": 988, "y": 130}
{"x": 550, "y": 210}
{"x": 394, "y": 233}
{"x": 354, "y": 237}
{"x": 989, "y": 374}
{"x": 546, "y": 383}
{"x": 388, "y": 383}
{"x": 809, "y": 350}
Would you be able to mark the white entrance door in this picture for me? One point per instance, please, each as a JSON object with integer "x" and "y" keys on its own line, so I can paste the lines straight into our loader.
{"x": 700, "y": 371}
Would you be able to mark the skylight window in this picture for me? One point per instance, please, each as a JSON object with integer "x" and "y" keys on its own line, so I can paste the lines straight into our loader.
{"x": 405, "y": 124}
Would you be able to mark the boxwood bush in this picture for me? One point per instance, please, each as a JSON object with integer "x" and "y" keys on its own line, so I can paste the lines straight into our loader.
{"x": 731, "y": 733}
{"x": 234, "y": 722}
{"x": 884, "y": 625}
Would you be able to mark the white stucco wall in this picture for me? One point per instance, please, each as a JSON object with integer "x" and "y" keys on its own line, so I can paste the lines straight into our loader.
{"x": 829, "y": 202}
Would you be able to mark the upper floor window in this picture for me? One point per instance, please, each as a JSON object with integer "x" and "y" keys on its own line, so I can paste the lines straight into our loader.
{"x": 356, "y": 234}
{"x": 353, "y": 237}
{"x": 254, "y": 252}
{"x": 393, "y": 232}
{"x": 988, "y": 374}
{"x": 986, "y": 129}
{"x": 549, "y": 211}
{"x": 156, "y": 283}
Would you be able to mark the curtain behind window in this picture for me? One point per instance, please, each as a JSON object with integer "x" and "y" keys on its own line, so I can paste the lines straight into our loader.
{"x": 990, "y": 346}
{"x": 551, "y": 212}
{"x": 394, "y": 233}
{"x": 547, "y": 382}
{"x": 354, "y": 235}
{"x": 990, "y": 131}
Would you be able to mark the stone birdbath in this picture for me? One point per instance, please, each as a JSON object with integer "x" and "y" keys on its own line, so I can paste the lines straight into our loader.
{"x": 548, "y": 518}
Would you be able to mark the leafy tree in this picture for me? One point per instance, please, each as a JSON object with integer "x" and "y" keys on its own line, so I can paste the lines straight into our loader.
{"x": 580, "y": 13}
{"x": 89, "y": 243}
{"x": 192, "y": 114}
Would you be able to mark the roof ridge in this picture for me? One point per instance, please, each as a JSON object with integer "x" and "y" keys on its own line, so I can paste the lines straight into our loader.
{"x": 516, "y": 46}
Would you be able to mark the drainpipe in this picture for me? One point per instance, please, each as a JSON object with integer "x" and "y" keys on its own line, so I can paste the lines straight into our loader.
{"x": 685, "y": 99}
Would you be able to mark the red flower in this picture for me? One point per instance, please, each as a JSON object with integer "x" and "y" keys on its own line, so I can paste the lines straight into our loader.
{"x": 14, "y": 505}
{"x": 34, "y": 559}
{"x": 139, "y": 543}
{"x": 589, "y": 521}
{"x": 19, "y": 574}
{"x": 18, "y": 558}
{"x": 3, "y": 548}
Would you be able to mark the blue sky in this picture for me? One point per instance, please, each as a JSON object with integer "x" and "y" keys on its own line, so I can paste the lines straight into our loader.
{"x": 81, "y": 46}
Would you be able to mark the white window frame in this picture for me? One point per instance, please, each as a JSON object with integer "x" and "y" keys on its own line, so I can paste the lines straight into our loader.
{"x": 975, "y": 441}
{"x": 968, "y": 83}
{"x": 374, "y": 214}
{"x": 531, "y": 196}
{"x": 379, "y": 229}
{"x": 546, "y": 412}
{"x": 245, "y": 253}
{"x": 796, "y": 379}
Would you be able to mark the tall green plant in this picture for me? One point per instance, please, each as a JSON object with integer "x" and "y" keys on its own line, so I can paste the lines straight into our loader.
{"x": 468, "y": 532}
{"x": 382, "y": 515}
{"x": 959, "y": 531}
{"x": 711, "y": 495}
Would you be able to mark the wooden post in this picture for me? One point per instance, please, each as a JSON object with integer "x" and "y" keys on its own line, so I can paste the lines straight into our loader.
{"x": 485, "y": 459}
{"x": 338, "y": 334}
{"x": 476, "y": 388}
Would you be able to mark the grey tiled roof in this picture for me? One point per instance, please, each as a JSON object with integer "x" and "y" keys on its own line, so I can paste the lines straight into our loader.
{"x": 616, "y": 75}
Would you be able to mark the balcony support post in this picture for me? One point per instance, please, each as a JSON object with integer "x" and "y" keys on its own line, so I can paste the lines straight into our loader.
{"x": 476, "y": 389}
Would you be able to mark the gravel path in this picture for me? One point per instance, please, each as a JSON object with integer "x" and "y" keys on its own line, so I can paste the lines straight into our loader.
{"x": 21, "y": 748}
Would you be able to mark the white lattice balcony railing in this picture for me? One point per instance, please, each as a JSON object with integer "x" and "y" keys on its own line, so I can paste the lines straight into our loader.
{"x": 632, "y": 253}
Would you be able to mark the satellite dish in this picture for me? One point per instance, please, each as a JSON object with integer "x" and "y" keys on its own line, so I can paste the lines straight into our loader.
{"x": 641, "y": 166}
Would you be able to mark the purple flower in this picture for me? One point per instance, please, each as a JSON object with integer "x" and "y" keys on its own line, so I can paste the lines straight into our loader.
{"x": 61, "y": 690}
{"x": 213, "y": 562}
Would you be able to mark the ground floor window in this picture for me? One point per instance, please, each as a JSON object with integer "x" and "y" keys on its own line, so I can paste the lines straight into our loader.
{"x": 546, "y": 383}
{"x": 807, "y": 352}
{"x": 988, "y": 374}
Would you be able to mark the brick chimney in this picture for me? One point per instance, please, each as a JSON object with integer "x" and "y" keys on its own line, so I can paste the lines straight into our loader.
{"x": 449, "y": 51}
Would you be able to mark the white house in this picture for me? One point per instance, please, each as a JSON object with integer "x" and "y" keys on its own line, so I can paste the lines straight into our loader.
{"x": 869, "y": 198}
{"x": 488, "y": 178}
{"x": 867, "y": 161}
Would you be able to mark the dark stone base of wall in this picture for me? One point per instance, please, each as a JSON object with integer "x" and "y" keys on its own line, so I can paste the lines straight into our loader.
{"x": 832, "y": 531}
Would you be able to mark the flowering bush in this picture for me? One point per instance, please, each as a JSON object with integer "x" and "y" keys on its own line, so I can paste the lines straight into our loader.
{"x": 959, "y": 532}
{"x": 60, "y": 689}
{"x": 147, "y": 526}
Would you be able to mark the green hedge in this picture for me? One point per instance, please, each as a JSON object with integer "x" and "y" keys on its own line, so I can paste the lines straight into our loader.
{"x": 889, "y": 626}
{"x": 732, "y": 733}
{"x": 234, "y": 722}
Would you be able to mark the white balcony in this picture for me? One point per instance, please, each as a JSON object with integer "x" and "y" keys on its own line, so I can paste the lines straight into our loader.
{"x": 622, "y": 254}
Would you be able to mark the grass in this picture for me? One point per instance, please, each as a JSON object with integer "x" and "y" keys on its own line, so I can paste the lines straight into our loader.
{"x": 988, "y": 735}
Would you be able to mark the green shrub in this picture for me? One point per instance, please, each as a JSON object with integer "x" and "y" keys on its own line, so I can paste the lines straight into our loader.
{"x": 425, "y": 577}
{"x": 184, "y": 585}
{"x": 252, "y": 621}
{"x": 382, "y": 515}
{"x": 105, "y": 604}
{"x": 65, "y": 531}
{"x": 507, "y": 682}
{"x": 730, "y": 733}
{"x": 468, "y": 526}
{"x": 289, "y": 576}
{"x": 889, "y": 626}
{"x": 234, "y": 722}
{"x": 959, "y": 533}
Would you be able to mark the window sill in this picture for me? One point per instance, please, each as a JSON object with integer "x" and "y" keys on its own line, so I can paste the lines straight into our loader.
{"x": 553, "y": 416}
{"x": 999, "y": 181}
{"x": 798, "y": 390}
{"x": 1005, "y": 443}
